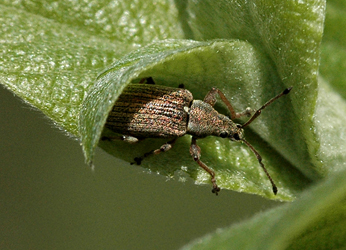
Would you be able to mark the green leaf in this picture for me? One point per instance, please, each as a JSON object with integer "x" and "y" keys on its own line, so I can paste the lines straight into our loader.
{"x": 179, "y": 61}
{"x": 316, "y": 220}
{"x": 52, "y": 52}
{"x": 289, "y": 33}
{"x": 249, "y": 73}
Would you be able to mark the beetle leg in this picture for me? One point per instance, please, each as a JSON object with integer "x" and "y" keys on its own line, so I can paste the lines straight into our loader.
{"x": 210, "y": 98}
{"x": 164, "y": 148}
{"x": 195, "y": 152}
{"x": 126, "y": 138}
{"x": 247, "y": 112}
{"x": 147, "y": 80}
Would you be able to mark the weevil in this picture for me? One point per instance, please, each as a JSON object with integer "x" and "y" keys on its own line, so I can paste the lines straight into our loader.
{"x": 153, "y": 111}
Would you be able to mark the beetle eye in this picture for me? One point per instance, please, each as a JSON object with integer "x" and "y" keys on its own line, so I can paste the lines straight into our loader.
{"x": 236, "y": 136}
{"x": 223, "y": 134}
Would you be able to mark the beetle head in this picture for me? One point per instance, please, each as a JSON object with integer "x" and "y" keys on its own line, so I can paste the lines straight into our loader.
{"x": 235, "y": 133}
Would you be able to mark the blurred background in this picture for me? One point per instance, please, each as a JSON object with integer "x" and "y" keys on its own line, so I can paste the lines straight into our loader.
{"x": 50, "y": 199}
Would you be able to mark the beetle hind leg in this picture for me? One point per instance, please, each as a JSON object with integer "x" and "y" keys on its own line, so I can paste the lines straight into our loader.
{"x": 164, "y": 148}
{"x": 125, "y": 138}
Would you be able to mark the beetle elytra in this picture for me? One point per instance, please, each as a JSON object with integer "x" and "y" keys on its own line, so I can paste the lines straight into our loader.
{"x": 153, "y": 111}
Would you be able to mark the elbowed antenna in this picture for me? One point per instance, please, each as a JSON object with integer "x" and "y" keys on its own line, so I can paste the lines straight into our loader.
{"x": 259, "y": 111}
{"x": 259, "y": 158}
{"x": 255, "y": 115}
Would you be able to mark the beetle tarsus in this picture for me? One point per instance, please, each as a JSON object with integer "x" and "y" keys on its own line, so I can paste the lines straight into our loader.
{"x": 215, "y": 190}
{"x": 164, "y": 148}
{"x": 150, "y": 80}
{"x": 138, "y": 160}
{"x": 147, "y": 80}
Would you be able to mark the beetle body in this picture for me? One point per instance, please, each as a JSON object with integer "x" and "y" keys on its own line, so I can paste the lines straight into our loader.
{"x": 152, "y": 111}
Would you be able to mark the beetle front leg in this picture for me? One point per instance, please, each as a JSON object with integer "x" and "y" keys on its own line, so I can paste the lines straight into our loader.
{"x": 210, "y": 98}
{"x": 164, "y": 148}
{"x": 195, "y": 152}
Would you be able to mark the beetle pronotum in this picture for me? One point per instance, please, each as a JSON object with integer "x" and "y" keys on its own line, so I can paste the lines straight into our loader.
{"x": 153, "y": 111}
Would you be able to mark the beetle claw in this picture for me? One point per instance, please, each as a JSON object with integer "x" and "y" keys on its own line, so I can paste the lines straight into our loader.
{"x": 216, "y": 190}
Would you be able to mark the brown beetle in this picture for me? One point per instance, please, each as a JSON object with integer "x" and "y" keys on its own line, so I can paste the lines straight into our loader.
{"x": 153, "y": 111}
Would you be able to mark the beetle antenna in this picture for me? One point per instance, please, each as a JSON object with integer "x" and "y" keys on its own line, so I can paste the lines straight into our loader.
{"x": 259, "y": 158}
{"x": 259, "y": 111}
